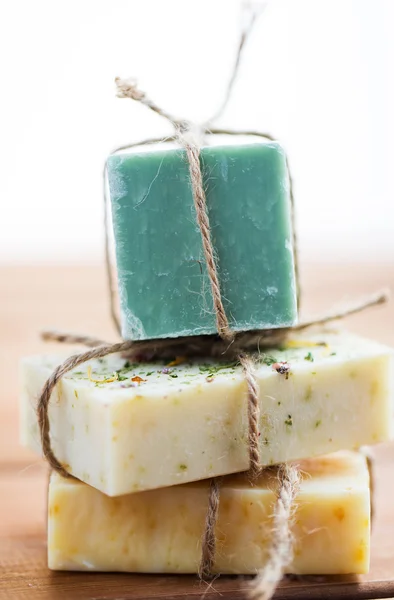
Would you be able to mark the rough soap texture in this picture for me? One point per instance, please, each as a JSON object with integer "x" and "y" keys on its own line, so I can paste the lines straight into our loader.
{"x": 160, "y": 531}
{"x": 163, "y": 283}
{"x": 150, "y": 429}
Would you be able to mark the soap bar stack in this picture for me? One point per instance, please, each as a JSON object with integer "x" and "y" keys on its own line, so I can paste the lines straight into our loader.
{"x": 142, "y": 439}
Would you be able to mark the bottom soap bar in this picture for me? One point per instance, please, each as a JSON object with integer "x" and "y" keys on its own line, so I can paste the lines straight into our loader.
{"x": 160, "y": 531}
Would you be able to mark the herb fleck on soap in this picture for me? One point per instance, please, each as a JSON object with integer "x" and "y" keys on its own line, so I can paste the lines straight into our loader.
{"x": 268, "y": 360}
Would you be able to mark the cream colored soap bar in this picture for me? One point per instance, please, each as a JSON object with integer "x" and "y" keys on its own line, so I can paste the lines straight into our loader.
{"x": 160, "y": 531}
{"x": 158, "y": 426}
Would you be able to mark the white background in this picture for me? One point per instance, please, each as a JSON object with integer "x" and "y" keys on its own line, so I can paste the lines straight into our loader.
{"x": 316, "y": 73}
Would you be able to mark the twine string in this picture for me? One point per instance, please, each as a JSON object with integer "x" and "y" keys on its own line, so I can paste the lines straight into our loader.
{"x": 281, "y": 544}
{"x": 253, "y": 414}
{"x": 72, "y": 338}
{"x": 227, "y": 342}
{"x": 195, "y": 347}
{"x": 129, "y": 89}
{"x": 251, "y": 14}
{"x": 208, "y": 544}
{"x": 43, "y": 402}
{"x": 200, "y": 203}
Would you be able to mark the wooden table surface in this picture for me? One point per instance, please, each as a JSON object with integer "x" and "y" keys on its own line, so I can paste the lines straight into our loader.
{"x": 74, "y": 299}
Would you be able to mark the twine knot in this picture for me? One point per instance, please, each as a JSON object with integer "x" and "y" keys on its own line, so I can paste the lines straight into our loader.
{"x": 127, "y": 88}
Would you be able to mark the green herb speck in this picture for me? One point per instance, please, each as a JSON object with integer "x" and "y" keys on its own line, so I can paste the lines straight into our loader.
{"x": 183, "y": 467}
{"x": 333, "y": 354}
{"x": 309, "y": 357}
{"x": 268, "y": 360}
{"x": 289, "y": 421}
{"x": 173, "y": 375}
{"x": 211, "y": 370}
{"x": 318, "y": 423}
{"x": 121, "y": 377}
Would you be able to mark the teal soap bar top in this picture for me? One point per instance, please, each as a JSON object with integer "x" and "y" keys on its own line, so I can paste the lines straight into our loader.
{"x": 164, "y": 287}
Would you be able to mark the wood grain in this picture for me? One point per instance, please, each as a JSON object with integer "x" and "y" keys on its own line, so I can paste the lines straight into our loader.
{"x": 74, "y": 299}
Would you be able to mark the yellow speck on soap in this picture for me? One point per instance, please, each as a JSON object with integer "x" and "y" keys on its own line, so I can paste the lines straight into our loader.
{"x": 360, "y": 553}
{"x": 304, "y": 344}
{"x": 225, "y": 505}
{"x": 178, "y": 361}
{"x": 125, "y": 549}
{"x": 105, "y": 380}
{"x": 339, "y": 512}
{"x": 374, "y": 390}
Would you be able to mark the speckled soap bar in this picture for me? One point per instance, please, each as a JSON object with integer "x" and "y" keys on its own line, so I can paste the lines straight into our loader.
{"x": 160, "y": 531}
{"x": 163, "y": 283}
{"x": 133, "y": 427}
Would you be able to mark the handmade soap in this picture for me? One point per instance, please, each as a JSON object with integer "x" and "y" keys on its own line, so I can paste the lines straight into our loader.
{"x": 163, "y": 283}
{"x": 132, "y": 427}
{"x": 160, "y": 531}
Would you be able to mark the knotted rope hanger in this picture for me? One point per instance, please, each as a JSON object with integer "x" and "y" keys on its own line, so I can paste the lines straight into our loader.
{"x": 226, "y": 342}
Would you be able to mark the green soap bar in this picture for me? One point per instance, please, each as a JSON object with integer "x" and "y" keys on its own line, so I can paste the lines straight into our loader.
{"x": 164, "y": 287}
